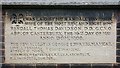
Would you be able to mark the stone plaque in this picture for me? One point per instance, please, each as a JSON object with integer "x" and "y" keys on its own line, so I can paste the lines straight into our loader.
{"x": 60, "y": 36}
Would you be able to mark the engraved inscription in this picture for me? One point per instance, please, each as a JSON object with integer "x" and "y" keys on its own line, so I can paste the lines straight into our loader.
{"x": 31, "y": 38}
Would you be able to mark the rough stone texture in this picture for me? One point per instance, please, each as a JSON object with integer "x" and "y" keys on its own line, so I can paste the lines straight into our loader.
{"x": 60, "y": 2}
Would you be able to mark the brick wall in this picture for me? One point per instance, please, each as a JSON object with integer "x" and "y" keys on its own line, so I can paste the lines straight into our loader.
{"x": 88, "y": 65}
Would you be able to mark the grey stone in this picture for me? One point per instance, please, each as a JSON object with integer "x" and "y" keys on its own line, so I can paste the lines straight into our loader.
{"x": 61, "y": 2}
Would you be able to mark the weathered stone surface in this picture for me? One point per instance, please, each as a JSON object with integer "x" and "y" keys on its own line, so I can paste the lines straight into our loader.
{"x": 60, "y": 2}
